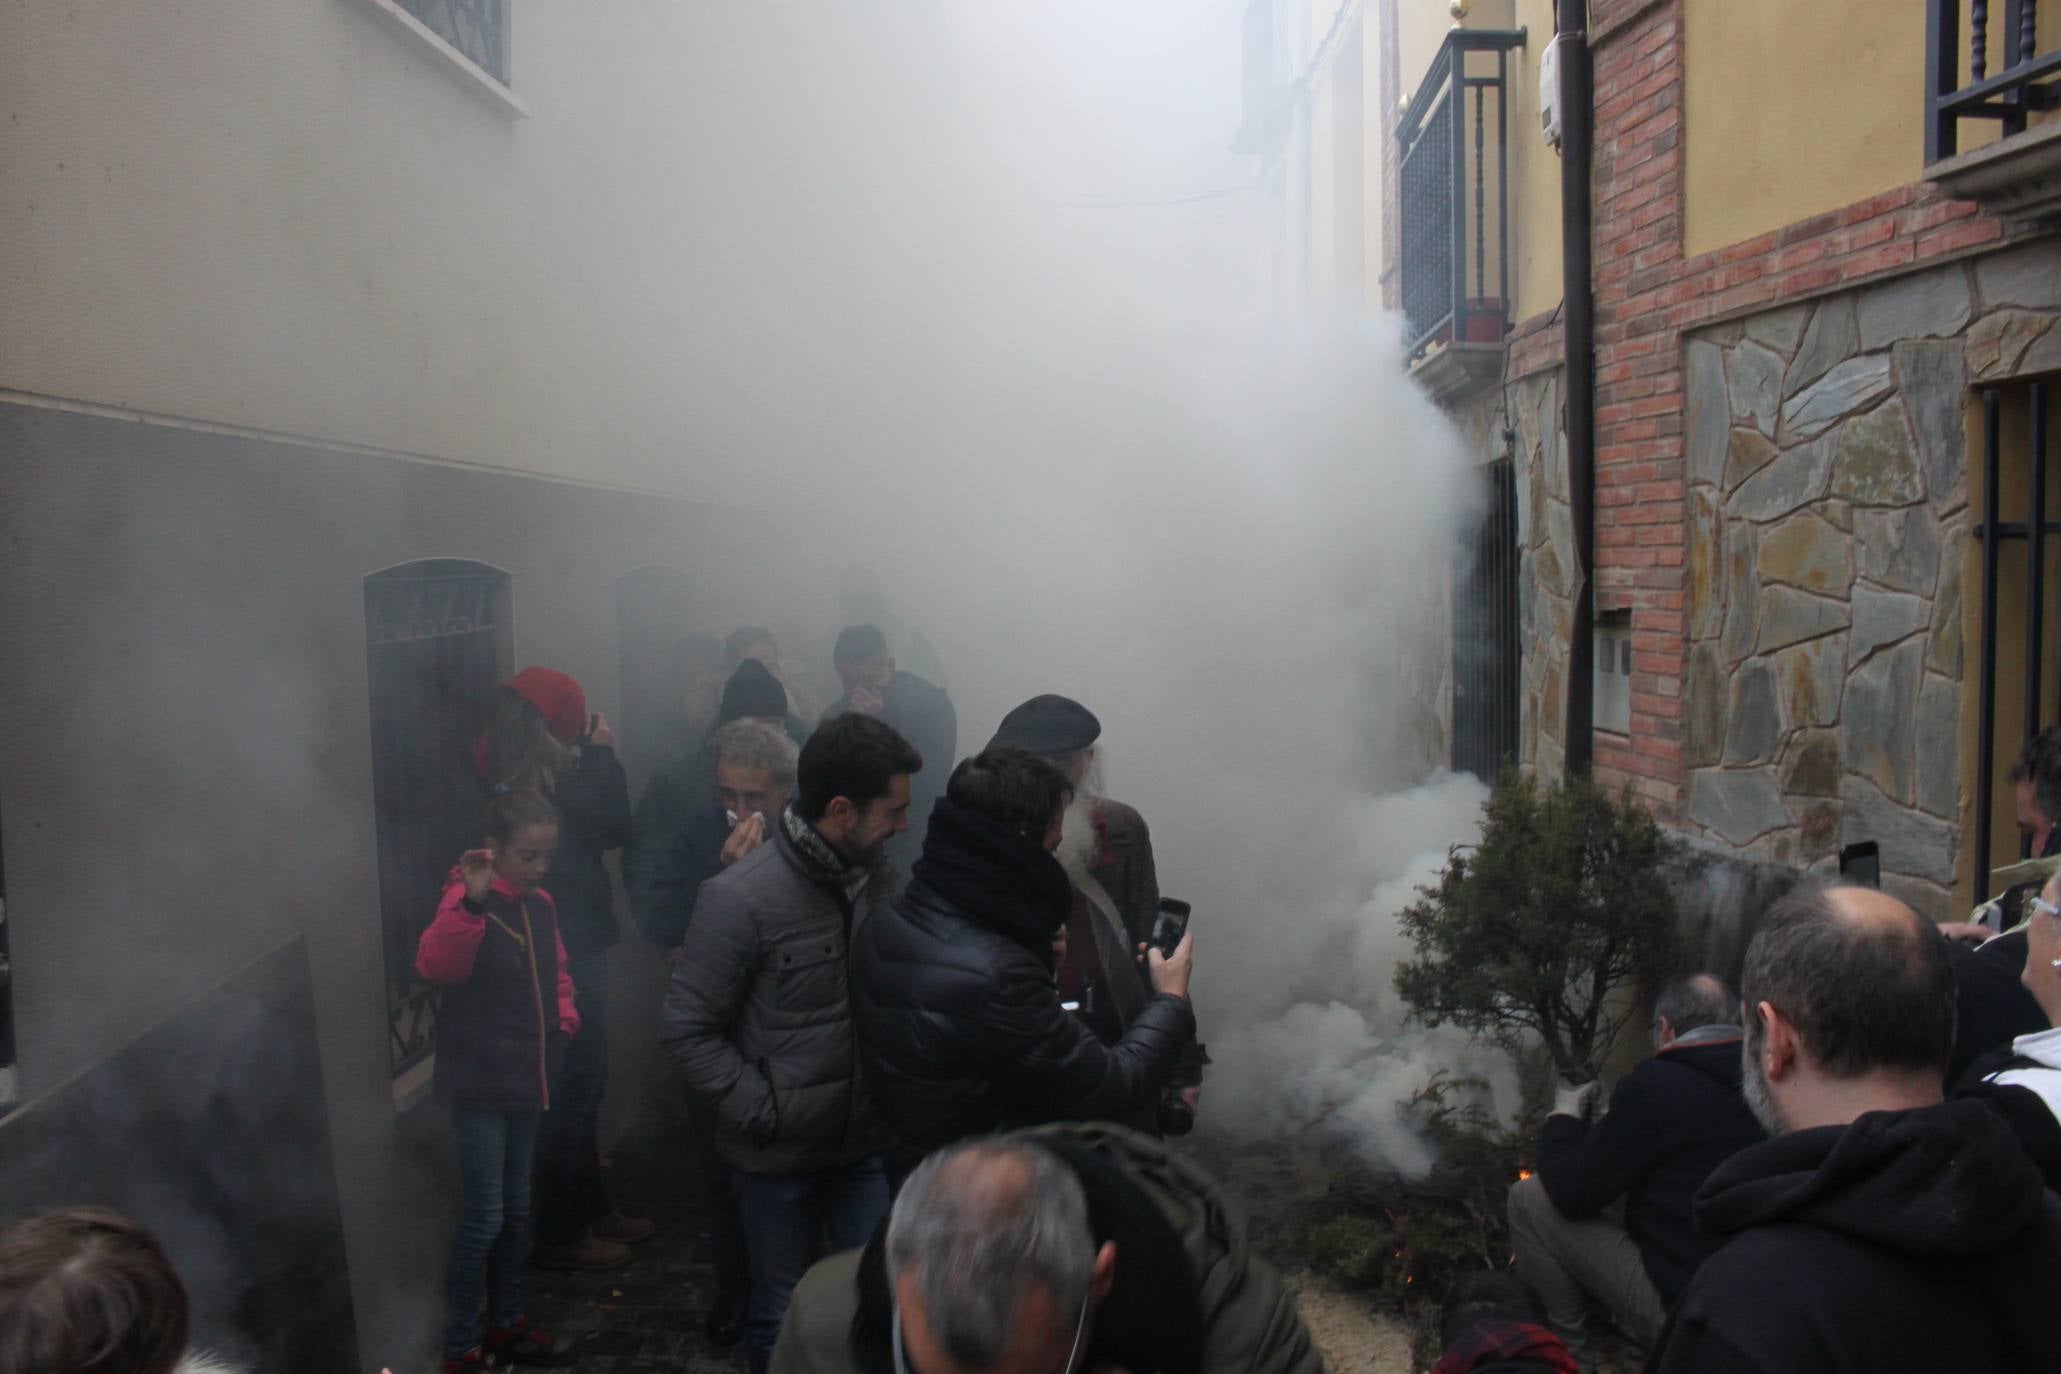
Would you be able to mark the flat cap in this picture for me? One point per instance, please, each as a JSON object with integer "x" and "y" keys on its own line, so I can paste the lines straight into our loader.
{"x": 1049, "y": 725}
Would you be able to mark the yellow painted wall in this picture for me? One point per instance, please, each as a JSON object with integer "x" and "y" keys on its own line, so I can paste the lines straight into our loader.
{"x": 1534, "y": 174}
{"x": 1794, "y": 109}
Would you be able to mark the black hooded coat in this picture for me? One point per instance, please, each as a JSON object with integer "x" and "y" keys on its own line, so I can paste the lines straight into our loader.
{"x": 1919, "y": 1240}
{"x": 960, "y": 1028}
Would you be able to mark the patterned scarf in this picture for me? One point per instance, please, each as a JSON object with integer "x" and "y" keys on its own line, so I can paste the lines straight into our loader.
{"x": 820, "y": 861}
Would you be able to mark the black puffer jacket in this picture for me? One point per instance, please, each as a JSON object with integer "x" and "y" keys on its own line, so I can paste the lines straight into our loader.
{"x": 960, "y": 1028}
{"x": 593, "y": 801}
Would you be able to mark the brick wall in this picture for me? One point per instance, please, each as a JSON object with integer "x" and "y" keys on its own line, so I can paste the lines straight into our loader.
{"x": 1646, "y": 294}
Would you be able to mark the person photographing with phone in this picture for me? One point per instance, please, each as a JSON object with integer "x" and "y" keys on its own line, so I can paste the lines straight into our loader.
{"x": 1106, "y": 850}
{"x": 959, "y": 1029}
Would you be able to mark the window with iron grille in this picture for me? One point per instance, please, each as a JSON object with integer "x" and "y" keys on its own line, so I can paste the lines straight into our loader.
{"x": 478, "y": 29}
{"x": 438, "y": 640}
{"x": 2014, "y": 492}
{"x": 1485, "y": 652}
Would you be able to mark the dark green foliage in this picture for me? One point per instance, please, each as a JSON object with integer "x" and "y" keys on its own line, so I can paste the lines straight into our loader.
{"x": 1541, "y": 935}
{"x": 1406, "y": 1241}
{"x": 1545, "y": 926}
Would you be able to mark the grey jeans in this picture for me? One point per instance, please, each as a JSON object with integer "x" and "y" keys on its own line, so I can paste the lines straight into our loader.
{"x": 1569, "y": 1262}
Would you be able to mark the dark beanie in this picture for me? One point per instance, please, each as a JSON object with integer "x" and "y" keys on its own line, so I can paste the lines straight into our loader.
{"x": 753, "y": 691}
{"x": 1048, "y": 725}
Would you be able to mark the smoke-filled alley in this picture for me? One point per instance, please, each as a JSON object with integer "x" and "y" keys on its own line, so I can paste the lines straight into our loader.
{"x": 809, "y": 684}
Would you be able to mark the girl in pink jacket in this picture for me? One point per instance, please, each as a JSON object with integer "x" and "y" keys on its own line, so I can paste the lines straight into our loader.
{"x": 507, "y": 1014}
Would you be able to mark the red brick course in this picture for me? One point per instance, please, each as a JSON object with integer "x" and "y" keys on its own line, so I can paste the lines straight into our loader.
{"x": 1646, "y": 295}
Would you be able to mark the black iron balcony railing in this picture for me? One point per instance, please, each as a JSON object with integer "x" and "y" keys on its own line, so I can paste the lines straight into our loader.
{"x": 1445, "y": 212}
{"x": 2003, "y": 34}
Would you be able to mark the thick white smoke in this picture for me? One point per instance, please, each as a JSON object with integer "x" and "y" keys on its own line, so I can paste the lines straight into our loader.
{"x": 1088, "y": 453}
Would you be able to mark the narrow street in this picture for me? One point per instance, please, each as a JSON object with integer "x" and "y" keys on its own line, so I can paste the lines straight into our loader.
{"x": 646, "y": 1315}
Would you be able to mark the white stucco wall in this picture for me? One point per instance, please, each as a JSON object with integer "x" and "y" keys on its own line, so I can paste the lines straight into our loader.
{"x": 284, "y": 216}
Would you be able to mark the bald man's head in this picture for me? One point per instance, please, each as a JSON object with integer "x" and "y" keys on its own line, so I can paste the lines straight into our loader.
{"x": 1691, "y": 1004}
{"x": 1864, "y": 980}
{"x": 992, "y": 1262}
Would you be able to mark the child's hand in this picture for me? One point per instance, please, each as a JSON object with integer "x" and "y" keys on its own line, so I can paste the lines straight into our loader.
{"x": 476, "y": 866}
{"x": 601, "y": 732}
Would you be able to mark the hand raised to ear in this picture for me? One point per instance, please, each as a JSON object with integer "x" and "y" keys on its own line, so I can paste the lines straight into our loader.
{"x": 476, "y": 866}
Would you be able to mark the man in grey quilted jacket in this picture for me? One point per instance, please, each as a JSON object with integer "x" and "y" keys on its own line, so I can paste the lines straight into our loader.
{"x": 758, "y": 1017}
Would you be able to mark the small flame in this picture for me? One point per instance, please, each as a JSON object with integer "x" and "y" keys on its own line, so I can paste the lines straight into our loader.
{"x": 1523, "y": 1174}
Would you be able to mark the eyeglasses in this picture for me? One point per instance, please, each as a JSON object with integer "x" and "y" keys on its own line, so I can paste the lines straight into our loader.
{"x": 1080, "y": 1330}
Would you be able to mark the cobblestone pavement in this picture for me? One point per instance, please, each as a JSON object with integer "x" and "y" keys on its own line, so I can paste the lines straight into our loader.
{"x": 646, "y": 1316}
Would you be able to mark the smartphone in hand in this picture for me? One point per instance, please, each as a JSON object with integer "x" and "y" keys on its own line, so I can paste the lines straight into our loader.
{"x": 1170, "y": 925}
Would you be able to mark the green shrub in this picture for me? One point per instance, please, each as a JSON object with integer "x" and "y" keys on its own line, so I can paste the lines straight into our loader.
{"x": 1539, "y": 936}
{"x": 1546, "y": 926}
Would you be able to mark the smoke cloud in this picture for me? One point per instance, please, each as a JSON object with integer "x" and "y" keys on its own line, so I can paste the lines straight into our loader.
{"x": 1045, "y": 394}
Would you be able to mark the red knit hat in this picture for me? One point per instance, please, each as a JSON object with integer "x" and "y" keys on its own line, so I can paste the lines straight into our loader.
{"x": 558, "y": 699}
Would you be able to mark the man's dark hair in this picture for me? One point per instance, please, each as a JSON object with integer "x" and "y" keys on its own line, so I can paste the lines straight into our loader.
{"x": 852, "y": 756}
{"x": 742, "y": 638}
{"x": 88, "y": 1290}
{"x": 1697, "y": 1001}
{"x": 1485, "y": 1298}
{"x": 1013, "y": 786}
{"x": 1863, "y": 994}
{"x": 2040, "y": 763}
{"x": 856, "y": 643}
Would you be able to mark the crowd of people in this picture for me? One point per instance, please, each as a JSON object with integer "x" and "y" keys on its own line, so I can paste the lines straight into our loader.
{"x": 874, "y": 955}
{"x": 931, "y": 1103}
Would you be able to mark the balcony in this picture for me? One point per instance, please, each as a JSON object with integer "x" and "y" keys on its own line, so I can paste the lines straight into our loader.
{"x": 1454, "y": 212}
{"x": 2018, "y": 175}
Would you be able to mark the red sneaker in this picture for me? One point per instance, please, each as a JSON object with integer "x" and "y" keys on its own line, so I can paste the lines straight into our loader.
{"x": 464, "y": 1364}
{"x": 525, "y": 1344}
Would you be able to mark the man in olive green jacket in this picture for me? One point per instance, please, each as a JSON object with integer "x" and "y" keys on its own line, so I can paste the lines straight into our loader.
{"x": 1076, "y": 1246}
{"x": 686, "y": 782}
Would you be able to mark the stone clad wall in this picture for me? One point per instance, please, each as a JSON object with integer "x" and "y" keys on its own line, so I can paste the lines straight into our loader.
{"x": 1546, "y": 571}
{"x": 1828, "y": 532}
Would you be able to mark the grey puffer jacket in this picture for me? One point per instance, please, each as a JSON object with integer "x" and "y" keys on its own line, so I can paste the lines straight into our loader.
{"x": 758, "y": 1018}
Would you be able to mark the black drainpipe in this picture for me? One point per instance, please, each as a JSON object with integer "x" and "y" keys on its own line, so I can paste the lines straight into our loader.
{"x": 1578, "y": 382}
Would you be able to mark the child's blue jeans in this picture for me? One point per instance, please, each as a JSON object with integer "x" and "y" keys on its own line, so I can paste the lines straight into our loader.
{"x": 494, "y": 1153}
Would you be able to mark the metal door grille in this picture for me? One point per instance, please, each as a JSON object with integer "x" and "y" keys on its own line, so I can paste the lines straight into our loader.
{"x": 1994, "y": 534}
{"x": 1485, "y": 648}
{"x": 437, "y": 644}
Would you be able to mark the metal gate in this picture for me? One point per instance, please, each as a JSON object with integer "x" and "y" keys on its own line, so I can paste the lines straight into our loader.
{"x": 2015, "y": 475}
{"x": 437, "y": 642}
{"x": 1485, "y": 648}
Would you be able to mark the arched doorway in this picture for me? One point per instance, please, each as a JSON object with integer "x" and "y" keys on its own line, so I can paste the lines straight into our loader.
{"x": 439, "y": 636}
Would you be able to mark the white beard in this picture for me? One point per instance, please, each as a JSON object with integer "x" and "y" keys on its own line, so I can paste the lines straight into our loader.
{"x": 1076, "y": 852}
{"x": 201, "y": 1362}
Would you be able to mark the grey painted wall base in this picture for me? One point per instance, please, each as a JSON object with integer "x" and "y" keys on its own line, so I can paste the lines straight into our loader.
{"x": 211, "y": 1129}
{"x": 185, "y": 773}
